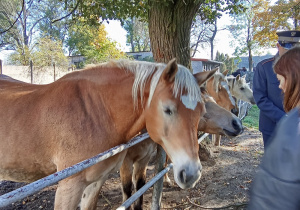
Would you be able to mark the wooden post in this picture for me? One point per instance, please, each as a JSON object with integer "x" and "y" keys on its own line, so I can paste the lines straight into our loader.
{"x": 54, "y": 71}
{"x": 158, "y": 186}
{"x": 0, "y": 66}
{"x": 31, "y": 73}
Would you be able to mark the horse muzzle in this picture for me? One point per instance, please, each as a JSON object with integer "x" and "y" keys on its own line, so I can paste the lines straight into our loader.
{"x": 187, "y": 175}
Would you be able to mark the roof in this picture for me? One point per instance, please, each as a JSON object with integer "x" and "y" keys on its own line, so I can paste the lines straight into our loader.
{"x": 206, "y": 60}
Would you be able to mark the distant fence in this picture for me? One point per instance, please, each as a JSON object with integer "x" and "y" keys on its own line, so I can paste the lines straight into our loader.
{"x": 33, "y": 74}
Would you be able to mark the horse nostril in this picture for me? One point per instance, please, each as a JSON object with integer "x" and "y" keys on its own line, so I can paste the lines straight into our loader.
{"x": 182, "y": 176}
{"x": 236, "y": 125}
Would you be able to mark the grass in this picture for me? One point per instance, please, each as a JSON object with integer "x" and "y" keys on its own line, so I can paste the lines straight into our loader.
{"x": 251, "y": 120}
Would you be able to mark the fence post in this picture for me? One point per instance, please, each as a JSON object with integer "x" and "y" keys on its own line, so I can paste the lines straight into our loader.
{"x": 31, "y": 74}
{"x": 158, "y": 186}
{"x": 0, "y": 66}
{"x": 54, "y": 71}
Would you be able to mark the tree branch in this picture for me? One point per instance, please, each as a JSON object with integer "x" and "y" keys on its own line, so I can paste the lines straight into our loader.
{"x": 68, "y": 14}
{"x": 2, "y": 32}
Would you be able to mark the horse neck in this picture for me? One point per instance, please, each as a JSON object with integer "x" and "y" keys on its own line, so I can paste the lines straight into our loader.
{"x": 211, "y": 90}
{"x": 107, "y": 95}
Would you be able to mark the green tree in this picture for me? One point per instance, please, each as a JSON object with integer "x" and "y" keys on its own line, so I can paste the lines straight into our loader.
{"x": 80, "y": 36}
{"x": 101, "y": 48}
{"x": 169, "y": 21}
{"x": 228, "y": 62}
{"x": 137, "y": 34}
{"x": 242, "y": 31}
{"x": 21, "y": 22}
{"x": 52, "y": 9}
{"x": 46, "y": 53}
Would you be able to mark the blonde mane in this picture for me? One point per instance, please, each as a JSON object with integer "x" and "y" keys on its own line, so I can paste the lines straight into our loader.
{"x": 142, "y": 70}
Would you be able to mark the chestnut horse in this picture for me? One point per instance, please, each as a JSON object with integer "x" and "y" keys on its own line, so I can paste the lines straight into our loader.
{"x": 46, "y": 128}
{"x": 216, "y": 120}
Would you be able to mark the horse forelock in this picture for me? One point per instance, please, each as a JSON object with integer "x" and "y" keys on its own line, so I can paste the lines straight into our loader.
{"x": 184, "y": 80}
{"x": 143, "y": 71}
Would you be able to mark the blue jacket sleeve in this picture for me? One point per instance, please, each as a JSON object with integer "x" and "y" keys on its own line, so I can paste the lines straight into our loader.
{"x": 261, "y": 94}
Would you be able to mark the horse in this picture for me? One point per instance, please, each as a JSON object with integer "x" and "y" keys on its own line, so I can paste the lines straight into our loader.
{"x": 218, "y": 88}
{"x": 240, "y": 90}
{"x": 46, "y": 128}
{"x": 216, "y": 120}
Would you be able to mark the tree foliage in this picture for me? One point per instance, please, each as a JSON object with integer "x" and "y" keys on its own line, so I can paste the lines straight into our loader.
{"x": 228, "y": 62}
{"x": 137, "y": 34}
{"x": 242, "y": 32}
{"x": 268, "y": 19}
{"x": 101, "y": 48}
{"x": 169, "y": 21}
{"x": 46, "y": 53}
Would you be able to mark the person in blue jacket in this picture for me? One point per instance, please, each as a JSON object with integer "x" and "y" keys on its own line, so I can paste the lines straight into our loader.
{"x": 266, "y": 92}
{"x": 277, "y": 184}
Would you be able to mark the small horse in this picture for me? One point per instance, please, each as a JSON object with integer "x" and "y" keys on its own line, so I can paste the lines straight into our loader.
{"x": 216, "y": 120}
{"x": 218, "y": 88}
{"x": 240, "y": 90}
{"x": 46, "y": 128}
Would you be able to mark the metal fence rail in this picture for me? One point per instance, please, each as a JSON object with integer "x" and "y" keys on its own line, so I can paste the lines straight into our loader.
{"x": 38, "y": 185}
{"x": 160, "y": 175}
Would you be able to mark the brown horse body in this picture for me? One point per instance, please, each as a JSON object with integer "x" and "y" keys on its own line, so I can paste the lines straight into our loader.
{"x": 216, "y": 120}
{"x": 46, "y": 128}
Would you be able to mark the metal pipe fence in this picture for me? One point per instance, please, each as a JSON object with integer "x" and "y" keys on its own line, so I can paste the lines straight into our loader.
{"x": 40, "y": 184}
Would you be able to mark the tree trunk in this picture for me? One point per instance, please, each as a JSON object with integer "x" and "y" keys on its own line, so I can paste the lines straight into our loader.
{"x": 170, "y": 28}
{"x": 212, "y": 38}
{"x": 250, "y": 60}
{"x": 249, "y": 45}
{"x": 131, "y": 37}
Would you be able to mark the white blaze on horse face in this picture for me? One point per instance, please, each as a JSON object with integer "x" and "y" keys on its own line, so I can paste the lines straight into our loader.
{"x": 188, "y": 102}
{"x": 225, "y": 85}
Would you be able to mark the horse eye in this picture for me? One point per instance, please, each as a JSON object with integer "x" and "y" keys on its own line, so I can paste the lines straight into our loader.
{"x": 242, "y": 88}
{"x": 168, "y": 111}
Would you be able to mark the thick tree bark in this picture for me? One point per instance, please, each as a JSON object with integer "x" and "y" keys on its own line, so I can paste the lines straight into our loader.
{"x": 170, "y": 27}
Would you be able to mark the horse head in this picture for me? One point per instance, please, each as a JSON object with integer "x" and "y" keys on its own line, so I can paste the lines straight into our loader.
{"x": 218, "y": 88}
{"x": 218, "y": 120}
{"x": 240, "y": 89}
{"x": 172, "y": 119}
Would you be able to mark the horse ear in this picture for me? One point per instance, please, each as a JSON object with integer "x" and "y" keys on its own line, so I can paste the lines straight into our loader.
{"x": 237, "y": 77}
{"x": 170, "y": 71}
{"x": 202, "y": 77}
{"x": 225, "y": 72}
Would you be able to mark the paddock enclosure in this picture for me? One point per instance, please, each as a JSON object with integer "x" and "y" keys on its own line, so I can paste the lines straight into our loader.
{"x": 226, "y": 180}
{"x": 66, "y": 104}
{"x": 100, "y": 208}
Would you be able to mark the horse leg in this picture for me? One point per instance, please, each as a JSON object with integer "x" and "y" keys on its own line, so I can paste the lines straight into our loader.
{"x": 69, "y": 192}
{"x": 166, "y": 177}
{"x": 139, "y": 179}
{"x": 126, "y": 178}
{"x": 216, "y": 139}
{"x": 90, "y": 195}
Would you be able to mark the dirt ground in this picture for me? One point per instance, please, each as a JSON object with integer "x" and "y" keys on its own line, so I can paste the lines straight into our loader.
{"x": 226, "y": 179}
